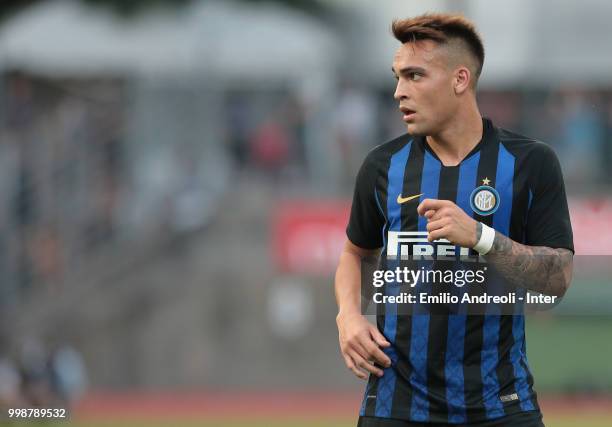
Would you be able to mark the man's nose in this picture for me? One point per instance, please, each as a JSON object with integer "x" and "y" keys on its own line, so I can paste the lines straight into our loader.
{"x": 400, "y": 92}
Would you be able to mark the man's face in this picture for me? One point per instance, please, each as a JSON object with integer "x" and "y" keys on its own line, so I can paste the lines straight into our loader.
{"x": 424, "y": 86}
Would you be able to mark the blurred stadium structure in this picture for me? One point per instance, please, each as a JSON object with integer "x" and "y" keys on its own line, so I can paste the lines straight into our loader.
{"x": 175, "y": 184}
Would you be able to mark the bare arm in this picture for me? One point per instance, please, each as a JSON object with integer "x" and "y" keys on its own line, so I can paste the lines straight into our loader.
{"x": 348, "y": 277}
{"x": 359, "y": 339}
{"x": 538, "y": 268}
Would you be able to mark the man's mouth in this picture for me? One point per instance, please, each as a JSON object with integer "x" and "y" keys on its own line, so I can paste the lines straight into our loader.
{"x": 407, "y": 112}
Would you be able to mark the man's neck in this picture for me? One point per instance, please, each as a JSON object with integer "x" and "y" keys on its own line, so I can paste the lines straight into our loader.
{"x": 458, "y": 138}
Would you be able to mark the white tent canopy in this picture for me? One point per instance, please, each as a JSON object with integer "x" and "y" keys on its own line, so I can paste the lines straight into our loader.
{"x": 64, "y": 37}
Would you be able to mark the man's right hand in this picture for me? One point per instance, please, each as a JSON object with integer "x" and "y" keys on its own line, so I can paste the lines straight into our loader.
{"x": 360, "y": 343}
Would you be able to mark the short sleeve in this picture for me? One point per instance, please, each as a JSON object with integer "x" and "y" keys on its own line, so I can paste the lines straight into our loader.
{"x": 548, "y": 219}
{"x": 366, "y": 221}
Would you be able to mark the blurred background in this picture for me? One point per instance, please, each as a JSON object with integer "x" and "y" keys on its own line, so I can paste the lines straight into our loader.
{"x": 175, "y": 179}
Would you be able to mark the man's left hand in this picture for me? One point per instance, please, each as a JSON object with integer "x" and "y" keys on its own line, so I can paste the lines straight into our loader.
{"x": 446, "y": 220}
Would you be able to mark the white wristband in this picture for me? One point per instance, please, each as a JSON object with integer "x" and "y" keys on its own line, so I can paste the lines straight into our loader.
{"x": 485, "y": 243}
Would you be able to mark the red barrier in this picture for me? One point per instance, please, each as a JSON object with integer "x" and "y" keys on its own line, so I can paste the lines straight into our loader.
{"x": 308, "y": 235}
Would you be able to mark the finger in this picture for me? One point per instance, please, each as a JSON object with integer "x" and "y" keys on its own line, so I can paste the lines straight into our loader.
{"x": 378, "y": 356}
{"x": 361, "y": 349}
{"x": 368, "y": 350}
{"x": 441, "y": 213}
{"x": 378, "y": 337}
{"x": 440, "y": 233}
{"x": 429, "y": 214}
{"x": 366, "y": 365}
{"x": 430, "y": 204}
{"x": 352, "y": 367}
{"x": 435, "y": 225}
{"x": 348, "y": 361}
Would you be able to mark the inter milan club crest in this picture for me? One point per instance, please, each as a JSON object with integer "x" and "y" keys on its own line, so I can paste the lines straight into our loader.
{"x": 484, "y": 200}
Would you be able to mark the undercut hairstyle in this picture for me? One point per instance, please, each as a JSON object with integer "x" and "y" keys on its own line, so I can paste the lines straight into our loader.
{"x": 442, "y": 28}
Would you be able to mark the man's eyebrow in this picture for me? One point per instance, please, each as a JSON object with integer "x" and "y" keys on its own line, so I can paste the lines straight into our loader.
{"x": 409, "y": 70}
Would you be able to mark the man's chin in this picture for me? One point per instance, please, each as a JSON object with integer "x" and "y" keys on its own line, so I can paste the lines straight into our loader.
{"x": 414, "y": 129}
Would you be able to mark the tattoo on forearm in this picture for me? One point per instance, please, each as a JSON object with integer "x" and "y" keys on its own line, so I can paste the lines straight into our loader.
{"x": 538, "y": 268}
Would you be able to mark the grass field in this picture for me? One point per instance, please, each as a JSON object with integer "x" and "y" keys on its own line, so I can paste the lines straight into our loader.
{"x": 581, "y": 357}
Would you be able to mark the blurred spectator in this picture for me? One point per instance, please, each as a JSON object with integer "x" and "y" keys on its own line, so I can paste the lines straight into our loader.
{"x": 10, "y": 385}
{"x": 46, "y": 252}
{"x": 391, "y": 124}
{"x": 68, "y": 374}
{"x": 606, "y": 158}
{"x": 238, "y": 128}
{"x": 36, "y": 378}
{"x": 40, "y": 378}
{"x": 502, "y": 107}
{"x": 296, "y": 115}
{"x": 355, "y": 127}
{"x": 581, "y": 135}
{"x": 270, "y": 147}
{"x": 64, "y": 158}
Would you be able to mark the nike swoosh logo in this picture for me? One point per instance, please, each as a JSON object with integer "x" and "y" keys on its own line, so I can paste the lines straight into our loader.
{"x": 401, "y": 199}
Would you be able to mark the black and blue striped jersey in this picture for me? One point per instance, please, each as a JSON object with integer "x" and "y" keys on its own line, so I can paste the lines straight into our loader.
{"x": 447, "y": 367}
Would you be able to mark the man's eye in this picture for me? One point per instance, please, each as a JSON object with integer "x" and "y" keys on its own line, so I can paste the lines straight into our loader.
{"x": 415, "y": 76}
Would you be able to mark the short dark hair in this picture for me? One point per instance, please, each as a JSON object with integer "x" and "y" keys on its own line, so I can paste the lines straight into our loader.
{"x": 440, "y": 27}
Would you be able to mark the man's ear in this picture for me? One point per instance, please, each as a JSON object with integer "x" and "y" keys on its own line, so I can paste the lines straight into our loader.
{"x": 462, "y": 80}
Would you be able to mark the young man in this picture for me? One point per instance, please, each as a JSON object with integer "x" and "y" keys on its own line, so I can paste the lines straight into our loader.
{"x": 453, "y": 176}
